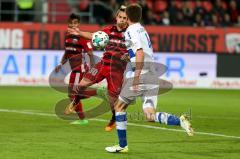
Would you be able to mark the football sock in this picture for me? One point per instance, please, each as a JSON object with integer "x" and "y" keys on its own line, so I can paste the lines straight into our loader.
{"x": 168, "y": 119}
{"x": 79, "y": 111}
{"x": 121, "y": 122}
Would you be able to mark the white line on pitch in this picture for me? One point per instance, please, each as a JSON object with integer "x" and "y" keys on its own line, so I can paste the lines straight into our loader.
{"x": 217, "y": 118}
{"x": 29, "y": 112}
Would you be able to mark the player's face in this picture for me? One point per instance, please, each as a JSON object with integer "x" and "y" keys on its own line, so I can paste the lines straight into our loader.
{"x": 121, "y": 19}
{"x": 73, "y": 23}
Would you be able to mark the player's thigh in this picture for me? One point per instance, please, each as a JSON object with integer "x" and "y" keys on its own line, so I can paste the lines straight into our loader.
{"x": 151, "y": 84}
{"x": 94, "y": 75}
{"x": 127, "y": 94}
{"x": 114, "y": 83}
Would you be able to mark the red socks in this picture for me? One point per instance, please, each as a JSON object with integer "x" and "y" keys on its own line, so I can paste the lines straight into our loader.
{"x": 79, "y": 111}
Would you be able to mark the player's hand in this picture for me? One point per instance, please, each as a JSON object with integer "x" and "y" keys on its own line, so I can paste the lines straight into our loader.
{"x": 125, "y": 57}
{"x": 136, "y": 84}
{"x": 73, "y": 31}
{"x": 58, "y": 67}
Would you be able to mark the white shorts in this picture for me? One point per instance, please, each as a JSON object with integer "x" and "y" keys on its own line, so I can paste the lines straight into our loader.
{"x": 148, "y": 90}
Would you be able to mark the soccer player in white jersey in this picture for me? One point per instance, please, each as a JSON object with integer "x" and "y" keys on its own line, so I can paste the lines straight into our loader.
{"x": 141, "y": 57}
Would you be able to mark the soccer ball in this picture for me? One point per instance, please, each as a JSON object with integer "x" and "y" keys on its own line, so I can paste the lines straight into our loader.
{"x": 100, "y": 39}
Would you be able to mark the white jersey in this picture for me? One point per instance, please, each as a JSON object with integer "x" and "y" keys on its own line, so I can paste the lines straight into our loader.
{"x": 137, "y": 38}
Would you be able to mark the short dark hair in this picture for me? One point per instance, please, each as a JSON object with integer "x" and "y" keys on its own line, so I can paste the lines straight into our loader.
{"x": 134, "y": 12}
{"x": 74, "y": 16}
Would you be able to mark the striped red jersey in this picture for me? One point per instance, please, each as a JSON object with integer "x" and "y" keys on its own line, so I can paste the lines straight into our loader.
{"x": 116, "y": 47}
{"x": 75, "y": 47}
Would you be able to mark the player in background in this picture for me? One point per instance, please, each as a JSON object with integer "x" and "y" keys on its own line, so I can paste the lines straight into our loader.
{"x": 141, "y": 57}
{"x": 75, "y": 48}
{"x": 112, "y": 65}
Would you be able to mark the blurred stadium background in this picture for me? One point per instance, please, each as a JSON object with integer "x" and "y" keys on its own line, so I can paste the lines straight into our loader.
{"x": 199, "y": 42}
{"x": 200, "y": 39}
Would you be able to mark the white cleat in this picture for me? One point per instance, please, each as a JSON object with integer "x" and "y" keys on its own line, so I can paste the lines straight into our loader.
{"x": 186, "y": 125}
{"x": 117, "y": 149}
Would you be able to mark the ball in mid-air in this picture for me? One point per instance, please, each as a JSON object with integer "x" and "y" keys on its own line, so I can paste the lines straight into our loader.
{"x": 100, "y": 39}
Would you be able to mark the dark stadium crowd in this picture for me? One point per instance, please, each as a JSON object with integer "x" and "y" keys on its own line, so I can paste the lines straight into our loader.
{"x": 218, "y": 13}
{"x": 173, "y": 12}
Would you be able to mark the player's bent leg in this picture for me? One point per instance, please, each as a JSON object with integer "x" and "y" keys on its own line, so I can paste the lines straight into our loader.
{"x": 75, "y": 78}
{"x": 149, "y": 107}
{"x": 121, "y": 122}
{"x": 170, "y": 119}
{"x": 81, "y": 89}
{"x": 84, "y": 83}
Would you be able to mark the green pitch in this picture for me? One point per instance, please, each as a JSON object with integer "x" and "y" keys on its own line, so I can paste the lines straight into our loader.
{"x": 29, "y": 129}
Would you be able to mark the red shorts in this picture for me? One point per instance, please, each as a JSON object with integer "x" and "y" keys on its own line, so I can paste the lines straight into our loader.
{"x": 114, "y": 77}
{"x": 75, "y": 77}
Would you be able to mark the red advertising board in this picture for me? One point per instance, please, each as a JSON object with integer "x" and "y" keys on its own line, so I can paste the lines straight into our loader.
{"x": 164, "y": 39}
{"x": 187, "y": 39}
{"x": 35, "y": 36}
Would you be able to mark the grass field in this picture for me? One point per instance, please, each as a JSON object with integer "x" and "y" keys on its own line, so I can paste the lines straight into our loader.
{"x": 29, "y": 129}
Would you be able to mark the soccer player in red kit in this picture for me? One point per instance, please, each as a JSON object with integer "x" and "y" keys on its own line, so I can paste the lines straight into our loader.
{"x": 75, "y": 48}
{"x": 112, "y": 65}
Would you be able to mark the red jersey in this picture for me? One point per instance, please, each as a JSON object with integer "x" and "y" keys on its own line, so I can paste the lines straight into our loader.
{"x": 116, "y": 47}
{"x": 75, "y": 46}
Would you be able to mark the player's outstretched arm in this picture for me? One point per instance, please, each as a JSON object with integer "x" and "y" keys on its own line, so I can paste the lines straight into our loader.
{"x": 77, "y": 31}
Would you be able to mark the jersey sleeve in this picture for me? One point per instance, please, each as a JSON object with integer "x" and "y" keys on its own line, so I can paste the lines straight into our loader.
{"x": 134, "y": 37}
{"x": 133, "y": 42}
{"x": 87, "y": 46}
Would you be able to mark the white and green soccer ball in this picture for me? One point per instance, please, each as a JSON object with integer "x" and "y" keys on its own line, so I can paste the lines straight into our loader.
{"x": 100, "y": 39}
